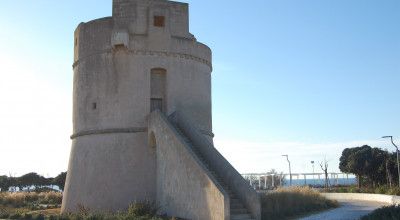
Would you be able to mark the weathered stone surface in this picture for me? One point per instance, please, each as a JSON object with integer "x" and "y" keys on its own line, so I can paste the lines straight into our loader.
{"x": 111, "y": 164}
{"x": 125, "y": 66}
{"x": 185, "y": 187}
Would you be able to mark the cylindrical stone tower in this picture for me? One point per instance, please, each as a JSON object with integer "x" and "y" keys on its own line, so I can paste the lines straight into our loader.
{"x": 140, "y": 59}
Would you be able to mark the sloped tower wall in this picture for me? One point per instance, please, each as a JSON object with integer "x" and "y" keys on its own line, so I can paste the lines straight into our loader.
{"x": 125, "y": 66}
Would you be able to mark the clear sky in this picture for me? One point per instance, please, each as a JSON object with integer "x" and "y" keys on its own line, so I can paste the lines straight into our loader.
{"x": 305, "y": 78}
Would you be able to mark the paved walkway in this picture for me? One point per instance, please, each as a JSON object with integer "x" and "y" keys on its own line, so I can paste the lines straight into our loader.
{"x": 348, "y": 210}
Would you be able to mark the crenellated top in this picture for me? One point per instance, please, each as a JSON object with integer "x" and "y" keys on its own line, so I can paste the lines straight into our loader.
{"x": 145, "y": 27}
{"x": 149, "y": 16}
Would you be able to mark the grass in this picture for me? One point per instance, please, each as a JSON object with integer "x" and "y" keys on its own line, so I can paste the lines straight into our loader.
{"x": 29, "y": 205}
{"x": 285, "y": 203}
{"x": 46, "y": 206}
{"x": 31, "y": 200}
{"x": 377, "y": 190}
{"x": 282, "y": 203}
{"x": 136, "y": 211}
{"x": 387, "y": 212}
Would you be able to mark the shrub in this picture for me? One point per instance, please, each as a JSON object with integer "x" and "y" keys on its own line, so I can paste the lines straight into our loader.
{"x": 27, "y": 216}
{"x": 4, "y": 215}
{"x": 15, "y": 216}
{"x": 39, "y": 217}
{"x": 142, "y": 209}
{"x": 387, "y": 212}
{"x": 51, "y": 198}
{"x": 29, "y": 199}
{"x": 53, "y": 217}
{"x": 394, "y": 191}
{"x": 383, "y": 189}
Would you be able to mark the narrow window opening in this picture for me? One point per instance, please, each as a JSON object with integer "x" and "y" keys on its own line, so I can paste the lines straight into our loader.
{"x": 156, "y": 103}
{"x": 159, "y": 21}
{"x": 157, "y": 87}
{"x": 76, "y": 41}
{"x": 119, "y": 47}
{"x": 94, "y": 105}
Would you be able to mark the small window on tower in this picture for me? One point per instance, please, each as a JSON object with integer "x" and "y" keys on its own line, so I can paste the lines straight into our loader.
{"x": 159, "y": 21}
{"x": 94, "y": 105}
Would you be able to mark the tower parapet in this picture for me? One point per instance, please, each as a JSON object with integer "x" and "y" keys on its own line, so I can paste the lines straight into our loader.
{"x": 144, "y": 17}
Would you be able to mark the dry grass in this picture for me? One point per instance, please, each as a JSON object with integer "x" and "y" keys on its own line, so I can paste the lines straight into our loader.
{"x": 19, "y": 206}
{"x": 280, "y": 204}
{"x": 288, "y": 202}
{"x": 46, "y": 212}
{"x": 22, "y": 199}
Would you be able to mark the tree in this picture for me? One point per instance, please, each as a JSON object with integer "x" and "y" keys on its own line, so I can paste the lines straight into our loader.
{"x": 376, "y": 171}
{"x": 324, "y": 167}
{"x": 371, "y": 166}
{"x": 389, "y": 177}
{"x": 30, "y": 179}
{"x": 392, "y": 167}
{"x": 60, "y": 180}
{"x": 5, "y": 183}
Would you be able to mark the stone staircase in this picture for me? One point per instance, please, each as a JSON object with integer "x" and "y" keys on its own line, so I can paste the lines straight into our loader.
{"x": 237, "y": 210}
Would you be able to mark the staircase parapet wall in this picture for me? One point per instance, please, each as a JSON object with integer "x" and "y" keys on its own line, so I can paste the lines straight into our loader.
{"x": 185, "y": 188}
{"x": 221, "y": 166}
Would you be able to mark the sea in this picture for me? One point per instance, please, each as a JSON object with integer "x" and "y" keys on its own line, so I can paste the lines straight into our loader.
{"x": 320, "y": 182}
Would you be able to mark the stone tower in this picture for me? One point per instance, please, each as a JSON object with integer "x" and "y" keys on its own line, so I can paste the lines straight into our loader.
{"x": 141, "y": 59}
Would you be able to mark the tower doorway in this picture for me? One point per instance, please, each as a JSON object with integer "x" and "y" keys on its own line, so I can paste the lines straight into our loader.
{"x": 157, "y": 87}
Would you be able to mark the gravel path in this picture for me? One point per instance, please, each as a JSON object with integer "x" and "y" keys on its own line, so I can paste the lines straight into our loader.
{"x": 348, "y": 210}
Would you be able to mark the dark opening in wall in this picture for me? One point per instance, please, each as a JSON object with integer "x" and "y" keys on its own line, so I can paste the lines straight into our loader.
{"x": 158, "y": 89}
{"x": 94, "y": 105}
{"x": 156, "y": 103}
{"x": 76, "y": 41}
{"x": 159, "y": 21}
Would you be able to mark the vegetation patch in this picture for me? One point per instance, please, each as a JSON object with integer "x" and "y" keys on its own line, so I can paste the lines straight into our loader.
{"x": 46, "y": 206}
{"x": 31, "y": 200}
{"x": 383, "y": 189}
{"x": 294, "y": 201}
{"x": 136, "y": 211}
{"x": 373, "y": 167}
{"x": 387, "y": 212}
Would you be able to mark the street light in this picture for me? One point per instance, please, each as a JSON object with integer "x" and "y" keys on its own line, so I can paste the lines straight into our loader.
{"x": 312, "y": 162}
{"x": 290, "y": 170}
{"x": 397, "y": 151}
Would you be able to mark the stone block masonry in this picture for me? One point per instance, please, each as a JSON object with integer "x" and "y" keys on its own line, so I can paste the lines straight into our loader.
{"x": 130, "y": 71}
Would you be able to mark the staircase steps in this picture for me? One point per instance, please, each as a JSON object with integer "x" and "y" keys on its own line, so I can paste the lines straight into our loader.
{"x": 237, "y": 210}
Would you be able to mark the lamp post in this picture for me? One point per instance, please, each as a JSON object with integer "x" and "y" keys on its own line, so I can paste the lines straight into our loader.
{"x": 312, "y": 163}
{"x": 397, "y": 152}
{"x": 290, "y": 170}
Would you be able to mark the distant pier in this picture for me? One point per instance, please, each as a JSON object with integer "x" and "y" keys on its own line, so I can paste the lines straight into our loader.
{"x": 272, "y": 180}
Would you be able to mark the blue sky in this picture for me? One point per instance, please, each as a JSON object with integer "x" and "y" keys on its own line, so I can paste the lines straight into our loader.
{"x": 305, "y": 78}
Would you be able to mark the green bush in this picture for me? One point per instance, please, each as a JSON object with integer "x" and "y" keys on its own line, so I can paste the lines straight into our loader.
{"x": 15, "y": 216}
{"x": 39, "y": 217}
{"x": 383, "y": 189}
{"x": 4, "y": 215}
{"x": 394, "y": 191}
{"x": 27, "y": 216}
{"x": 142, "y": 209}
{"x": 136, "y": 211}
{"x": 387, "y": 212}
